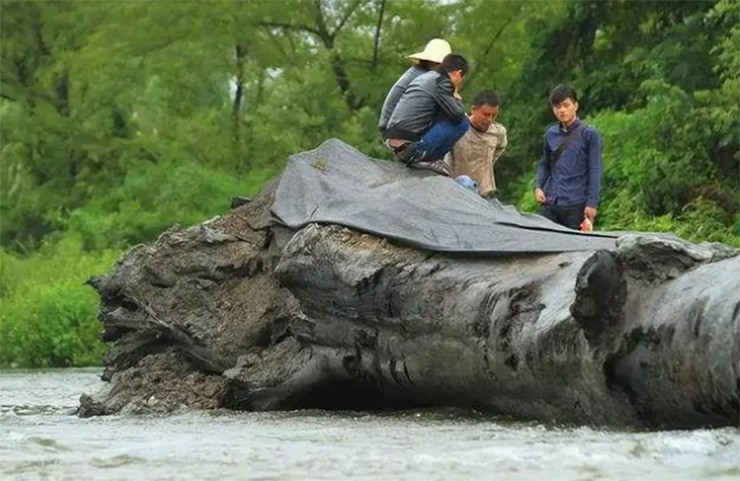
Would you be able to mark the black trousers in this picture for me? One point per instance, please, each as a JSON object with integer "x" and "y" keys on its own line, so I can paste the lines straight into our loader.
{"x": 569, "y": 216}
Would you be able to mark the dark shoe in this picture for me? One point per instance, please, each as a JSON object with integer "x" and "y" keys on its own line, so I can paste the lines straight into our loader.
{"x": 438, "y": 166}
{"x": 407, "y": 153}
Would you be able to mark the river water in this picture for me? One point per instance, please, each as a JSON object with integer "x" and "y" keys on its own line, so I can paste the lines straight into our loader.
{"x": 41, "y": 440}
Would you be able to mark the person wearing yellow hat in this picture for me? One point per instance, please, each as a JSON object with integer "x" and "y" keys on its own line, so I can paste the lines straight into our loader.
{"x": 428, "y": 59}
{"x": 429, "y": 118}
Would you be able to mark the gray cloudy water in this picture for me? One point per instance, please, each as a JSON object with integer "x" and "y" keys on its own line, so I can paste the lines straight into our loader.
{"x": 40, "y": 439}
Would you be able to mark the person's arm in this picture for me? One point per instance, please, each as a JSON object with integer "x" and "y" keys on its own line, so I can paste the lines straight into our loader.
{"x": 594, "y": 169}
{"x": 444, "y": 96}
{"x": 394, "y": 95}
{"x": 501, "y": 142}
{"x": 390, "y": 104}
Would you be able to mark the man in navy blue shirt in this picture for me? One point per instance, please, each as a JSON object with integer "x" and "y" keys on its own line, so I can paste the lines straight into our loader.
{"x": 569, "y": 172}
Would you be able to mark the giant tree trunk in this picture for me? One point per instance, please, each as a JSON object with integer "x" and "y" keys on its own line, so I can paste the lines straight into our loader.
{"x": 239, "y": 313}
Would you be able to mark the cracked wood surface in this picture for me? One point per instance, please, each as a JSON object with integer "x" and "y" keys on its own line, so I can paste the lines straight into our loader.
{"x": 238, "y": 313}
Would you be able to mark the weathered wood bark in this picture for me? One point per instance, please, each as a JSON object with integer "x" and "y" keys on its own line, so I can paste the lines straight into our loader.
{"x": 240, "y": 314}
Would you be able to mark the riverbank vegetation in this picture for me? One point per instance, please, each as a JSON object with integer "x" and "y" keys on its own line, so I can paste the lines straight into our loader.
{"x": 120, "y": 119}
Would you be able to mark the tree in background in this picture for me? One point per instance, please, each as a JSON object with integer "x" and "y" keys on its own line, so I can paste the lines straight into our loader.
{"x": 659, "y": 81}
{"x": 119, "y": 119}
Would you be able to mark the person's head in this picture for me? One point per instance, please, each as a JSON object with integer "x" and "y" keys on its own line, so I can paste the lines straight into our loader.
{"x": 434, "y": 52}
{"x": 456, "y": 67}
{"x": 485, "y": 110}
{"x": 564, "y": 103}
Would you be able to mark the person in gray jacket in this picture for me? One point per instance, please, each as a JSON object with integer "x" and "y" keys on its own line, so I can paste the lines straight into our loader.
{"x": 428, "y": 59}
{"x": 429, "y": 117}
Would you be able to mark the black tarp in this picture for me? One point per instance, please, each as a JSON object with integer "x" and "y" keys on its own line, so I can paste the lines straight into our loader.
{"x": 337, "y": 184}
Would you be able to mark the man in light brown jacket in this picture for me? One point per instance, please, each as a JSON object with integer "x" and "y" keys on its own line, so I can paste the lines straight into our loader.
{"x": 478, "y": 150}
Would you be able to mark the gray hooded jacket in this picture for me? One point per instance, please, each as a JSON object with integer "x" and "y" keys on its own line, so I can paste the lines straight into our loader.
{"x": 429, "y": 97}
{"x": 394, "y": 95}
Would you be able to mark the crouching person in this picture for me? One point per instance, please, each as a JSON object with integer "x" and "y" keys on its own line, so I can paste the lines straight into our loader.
{"x": 429, "y": 118}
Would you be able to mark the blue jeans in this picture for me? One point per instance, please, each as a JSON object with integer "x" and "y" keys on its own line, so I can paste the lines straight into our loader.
{"x": 441, "y": 137}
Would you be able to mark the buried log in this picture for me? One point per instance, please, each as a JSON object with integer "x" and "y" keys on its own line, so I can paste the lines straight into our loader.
{"x": 427, "y": 300}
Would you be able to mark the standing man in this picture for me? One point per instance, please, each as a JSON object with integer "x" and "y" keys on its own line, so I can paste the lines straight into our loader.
{"x": 475, "y": 154}
{"x": 569, "y": 172}
{"x": 428, "y": 59}
{"x": 429, "y": 117}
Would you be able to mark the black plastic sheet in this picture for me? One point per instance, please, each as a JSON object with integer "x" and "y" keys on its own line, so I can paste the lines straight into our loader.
{"x": 337, "y": 184}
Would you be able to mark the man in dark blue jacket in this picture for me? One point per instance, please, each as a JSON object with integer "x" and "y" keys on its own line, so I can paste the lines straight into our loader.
{"x": 429, "y": 118}
{"x": 569, "y": 172}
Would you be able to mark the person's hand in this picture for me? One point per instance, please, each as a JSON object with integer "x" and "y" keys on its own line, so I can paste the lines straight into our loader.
{"x": 590, "y": 212}
{"x": 539, "y": 196}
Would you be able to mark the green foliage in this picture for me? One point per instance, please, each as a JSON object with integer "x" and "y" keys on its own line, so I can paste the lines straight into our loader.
{"x": 120, "y": 119}
{"x": 665, "y": 96}
{"x": 151, "y": 198}
{"x": 659, "y": 174}
{"x": 49, "y": 316}
{"x": 51, "y": 326}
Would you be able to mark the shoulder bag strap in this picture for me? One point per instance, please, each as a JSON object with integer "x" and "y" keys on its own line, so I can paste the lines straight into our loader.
{"x": 564, "y": 144}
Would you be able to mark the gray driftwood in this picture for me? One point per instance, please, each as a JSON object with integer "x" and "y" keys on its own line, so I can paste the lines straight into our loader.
{"x": 236, "y": 313}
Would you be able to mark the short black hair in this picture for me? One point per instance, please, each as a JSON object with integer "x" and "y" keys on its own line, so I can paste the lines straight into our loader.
{"x": 486, "y": 97}
{"x": 562, "y": 92}
{"x": 454, "y": 62}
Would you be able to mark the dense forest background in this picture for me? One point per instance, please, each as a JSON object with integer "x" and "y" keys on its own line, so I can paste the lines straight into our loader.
{"x": 120, "y": 119}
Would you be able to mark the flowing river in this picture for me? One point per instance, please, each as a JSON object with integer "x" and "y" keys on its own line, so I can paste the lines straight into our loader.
{"x": 40, "y": 439}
